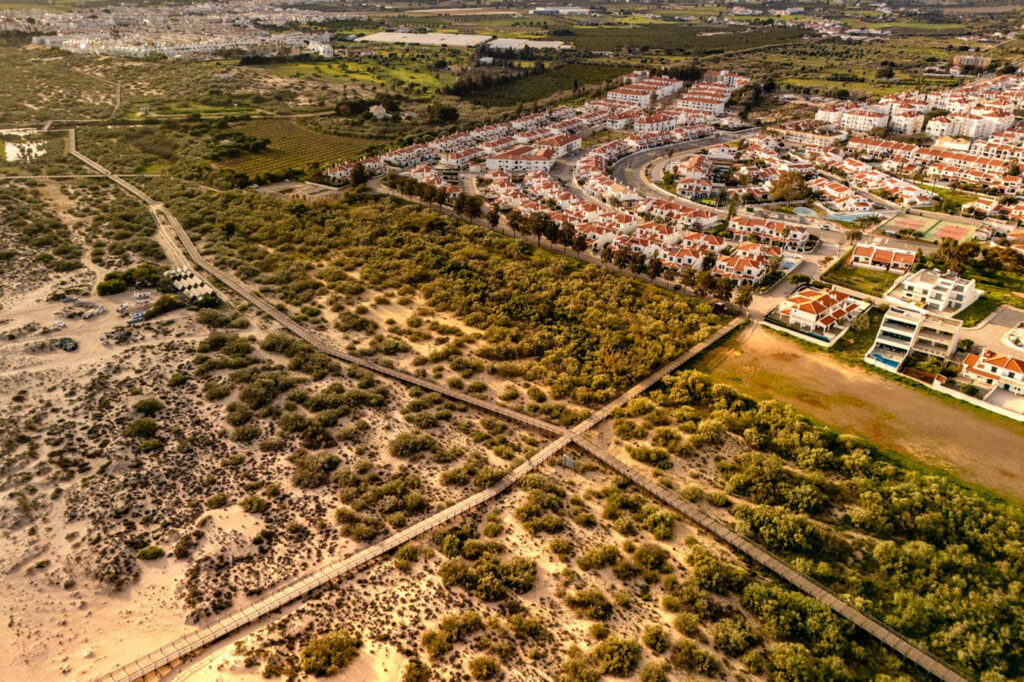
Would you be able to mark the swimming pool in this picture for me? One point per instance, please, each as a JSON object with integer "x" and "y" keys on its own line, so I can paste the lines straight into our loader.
{"x": 850, "y": 217}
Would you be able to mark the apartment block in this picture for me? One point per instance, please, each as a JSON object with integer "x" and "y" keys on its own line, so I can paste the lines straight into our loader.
{"x": 904, "y": 331}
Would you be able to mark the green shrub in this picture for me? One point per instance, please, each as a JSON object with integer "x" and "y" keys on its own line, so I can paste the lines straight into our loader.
{"x": 657, "y": 639}
{"x": 312, "y": 470}
{"x": 484, "y": 668}
{"x": 616, "y": 656}
{"x": 150, "y": 553}
{"x": 590, "y": 603}
{"x": 143, "y": 427}
{"x": 148, "y": 406}
{"x": 216, "y": 501}
{"x": 411, "y": 443}
{"x": 254, "y": 504}
{"x": 330, "y": 654}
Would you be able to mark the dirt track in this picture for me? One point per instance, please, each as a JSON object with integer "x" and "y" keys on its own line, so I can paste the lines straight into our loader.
{"x": 979, "y": 448}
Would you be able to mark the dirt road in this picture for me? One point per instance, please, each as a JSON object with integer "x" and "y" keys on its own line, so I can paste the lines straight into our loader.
{"x": 978, "y": 447}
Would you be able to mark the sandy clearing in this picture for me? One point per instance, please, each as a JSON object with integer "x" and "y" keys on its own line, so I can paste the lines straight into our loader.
{"x": 983, "y": 449}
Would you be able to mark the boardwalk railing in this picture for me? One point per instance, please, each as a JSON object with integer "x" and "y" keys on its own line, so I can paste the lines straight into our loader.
{"x": 869, "y": 624}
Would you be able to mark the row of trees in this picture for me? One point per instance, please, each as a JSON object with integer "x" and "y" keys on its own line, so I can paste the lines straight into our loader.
{"x": 542, "y": 225}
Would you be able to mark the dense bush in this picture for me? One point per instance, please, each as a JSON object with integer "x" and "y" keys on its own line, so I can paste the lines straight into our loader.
{"x": 330, "y": 654}
{"x": 590, "y": 603}
{"x": 616, "y": 656}
{"x": 312, "y": 470}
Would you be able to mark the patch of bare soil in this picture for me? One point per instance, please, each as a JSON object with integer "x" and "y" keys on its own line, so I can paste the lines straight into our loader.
{"x": 981, "y": 448}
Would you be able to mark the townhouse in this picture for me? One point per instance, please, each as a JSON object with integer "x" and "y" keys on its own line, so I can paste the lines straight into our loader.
{"x": 741, "y": 269}
{"x": 789, "y": 237}
{"x": 522, "y": 159}
{"x": 875, "y": 257}
{"x": 817, "y": 310}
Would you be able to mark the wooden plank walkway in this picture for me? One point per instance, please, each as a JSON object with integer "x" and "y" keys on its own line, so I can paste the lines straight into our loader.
{"x": 308, "y": 582}
{"x": 869, "y": 624}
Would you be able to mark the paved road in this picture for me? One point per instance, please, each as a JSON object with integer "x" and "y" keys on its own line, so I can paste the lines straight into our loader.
{"x": 632, "y": 170}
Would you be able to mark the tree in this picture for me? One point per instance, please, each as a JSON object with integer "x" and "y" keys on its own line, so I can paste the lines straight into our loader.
{"x": 359, "y": 175}
{"x": 493, "y": 217}
{"x": 744, "y": 295}
{"x": 655, "y": 268}
{"x": 704, "y": 283}
{"x": 442, "y": 113}
{"x": 579, "y": 242}
{"x": 566, "y": 235}
{"x": 515, "y": 221}
{"x": 637, "y": 262}
{"x": 790, "y": 186}
{"x": 607, "y": 255}
{"x": 621, "y": 258}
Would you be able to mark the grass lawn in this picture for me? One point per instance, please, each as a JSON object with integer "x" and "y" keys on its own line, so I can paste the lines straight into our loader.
{"x": 873, "y": 282}
{"x": 986, "y": 305}
{"x": 856, "y": 342}
{"x": 1000, "y": 288}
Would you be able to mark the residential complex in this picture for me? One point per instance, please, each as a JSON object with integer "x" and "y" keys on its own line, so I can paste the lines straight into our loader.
{"x": 823, "y": 312}
{"x": 886, "y": 258}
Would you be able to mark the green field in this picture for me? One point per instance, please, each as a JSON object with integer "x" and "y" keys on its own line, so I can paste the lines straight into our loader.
{"x": 407, "y": 69}
{"x": 677, "y": 37}
{"x": 292, "y": 146}
{"x": 544, "y": 85}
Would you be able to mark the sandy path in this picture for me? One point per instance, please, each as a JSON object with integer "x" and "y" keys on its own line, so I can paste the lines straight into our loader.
{"x": 979, "y": 448}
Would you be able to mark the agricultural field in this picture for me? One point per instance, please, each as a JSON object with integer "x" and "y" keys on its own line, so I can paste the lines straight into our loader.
{"x": 394, "y": 68}
{"x": 676, "y": 38}
{"x": 293, "y": 146}
{"x": 827, "y": 66}
{"x": 544, "y": 85}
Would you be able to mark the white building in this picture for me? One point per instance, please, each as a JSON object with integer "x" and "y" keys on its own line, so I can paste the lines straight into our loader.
{"x": 945, "y": 293}
{"x": 904, "y": 331}
{"x": 522, "y": 159}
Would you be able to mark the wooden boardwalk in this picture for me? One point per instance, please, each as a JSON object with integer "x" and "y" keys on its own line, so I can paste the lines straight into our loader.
{"x": 310, "y": 581}
{"x": 869, "y": 624}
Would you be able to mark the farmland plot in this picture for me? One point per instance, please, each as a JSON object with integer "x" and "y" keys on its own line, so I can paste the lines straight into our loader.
{"x": 293, "y": 146}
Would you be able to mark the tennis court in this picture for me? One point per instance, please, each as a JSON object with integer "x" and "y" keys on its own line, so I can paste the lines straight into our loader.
{"x": 947, "y": 229}
{"x": 930, "y": 229}
{"x": 901, "y": 222}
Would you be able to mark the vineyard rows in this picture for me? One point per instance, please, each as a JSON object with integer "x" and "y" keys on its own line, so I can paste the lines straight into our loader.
{"x": 292, "y": 146}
